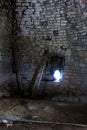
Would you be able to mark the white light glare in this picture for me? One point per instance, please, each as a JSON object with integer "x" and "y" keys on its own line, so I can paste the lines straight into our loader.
{"x": 57, "y": 75}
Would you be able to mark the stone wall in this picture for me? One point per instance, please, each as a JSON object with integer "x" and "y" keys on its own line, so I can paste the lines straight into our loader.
{"x": 60, "y": 26}
{"x": 5, "y": 48}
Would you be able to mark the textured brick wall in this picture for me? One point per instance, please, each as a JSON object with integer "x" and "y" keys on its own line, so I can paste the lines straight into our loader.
{"x": 51, "y": 24}
{"x": 5, "y": 51}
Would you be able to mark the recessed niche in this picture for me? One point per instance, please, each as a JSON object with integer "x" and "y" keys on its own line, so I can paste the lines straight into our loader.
{"x": 44, "y": 23}
{"x": 55, "y": 67}
{"x": 55, "y": 32}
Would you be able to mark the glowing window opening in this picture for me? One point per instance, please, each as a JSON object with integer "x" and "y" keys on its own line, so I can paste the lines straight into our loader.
{"x": 57, "y": 75}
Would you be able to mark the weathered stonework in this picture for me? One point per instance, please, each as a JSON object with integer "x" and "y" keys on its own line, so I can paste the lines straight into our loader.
{"x": 5, "y": 49}
{"x": 52, "y": 24}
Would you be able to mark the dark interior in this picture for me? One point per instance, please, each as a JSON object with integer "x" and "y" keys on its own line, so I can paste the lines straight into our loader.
{"x": 43, "y": 62}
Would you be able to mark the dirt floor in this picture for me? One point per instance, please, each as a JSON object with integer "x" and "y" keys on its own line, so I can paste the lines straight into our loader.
{"x": 41, "y": 127}
{"x": 24, "y": 109}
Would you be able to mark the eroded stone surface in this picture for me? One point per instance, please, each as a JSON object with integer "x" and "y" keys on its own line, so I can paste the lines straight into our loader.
{"x": 5, "y": 48}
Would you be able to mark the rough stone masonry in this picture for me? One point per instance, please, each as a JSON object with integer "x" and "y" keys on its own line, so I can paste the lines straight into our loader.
{"x": 51, "y": 24}
{"x": 5, "y": 48}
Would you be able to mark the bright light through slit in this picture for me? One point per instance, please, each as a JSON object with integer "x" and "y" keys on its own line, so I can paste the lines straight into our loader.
{"x": 57, "y": 75}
